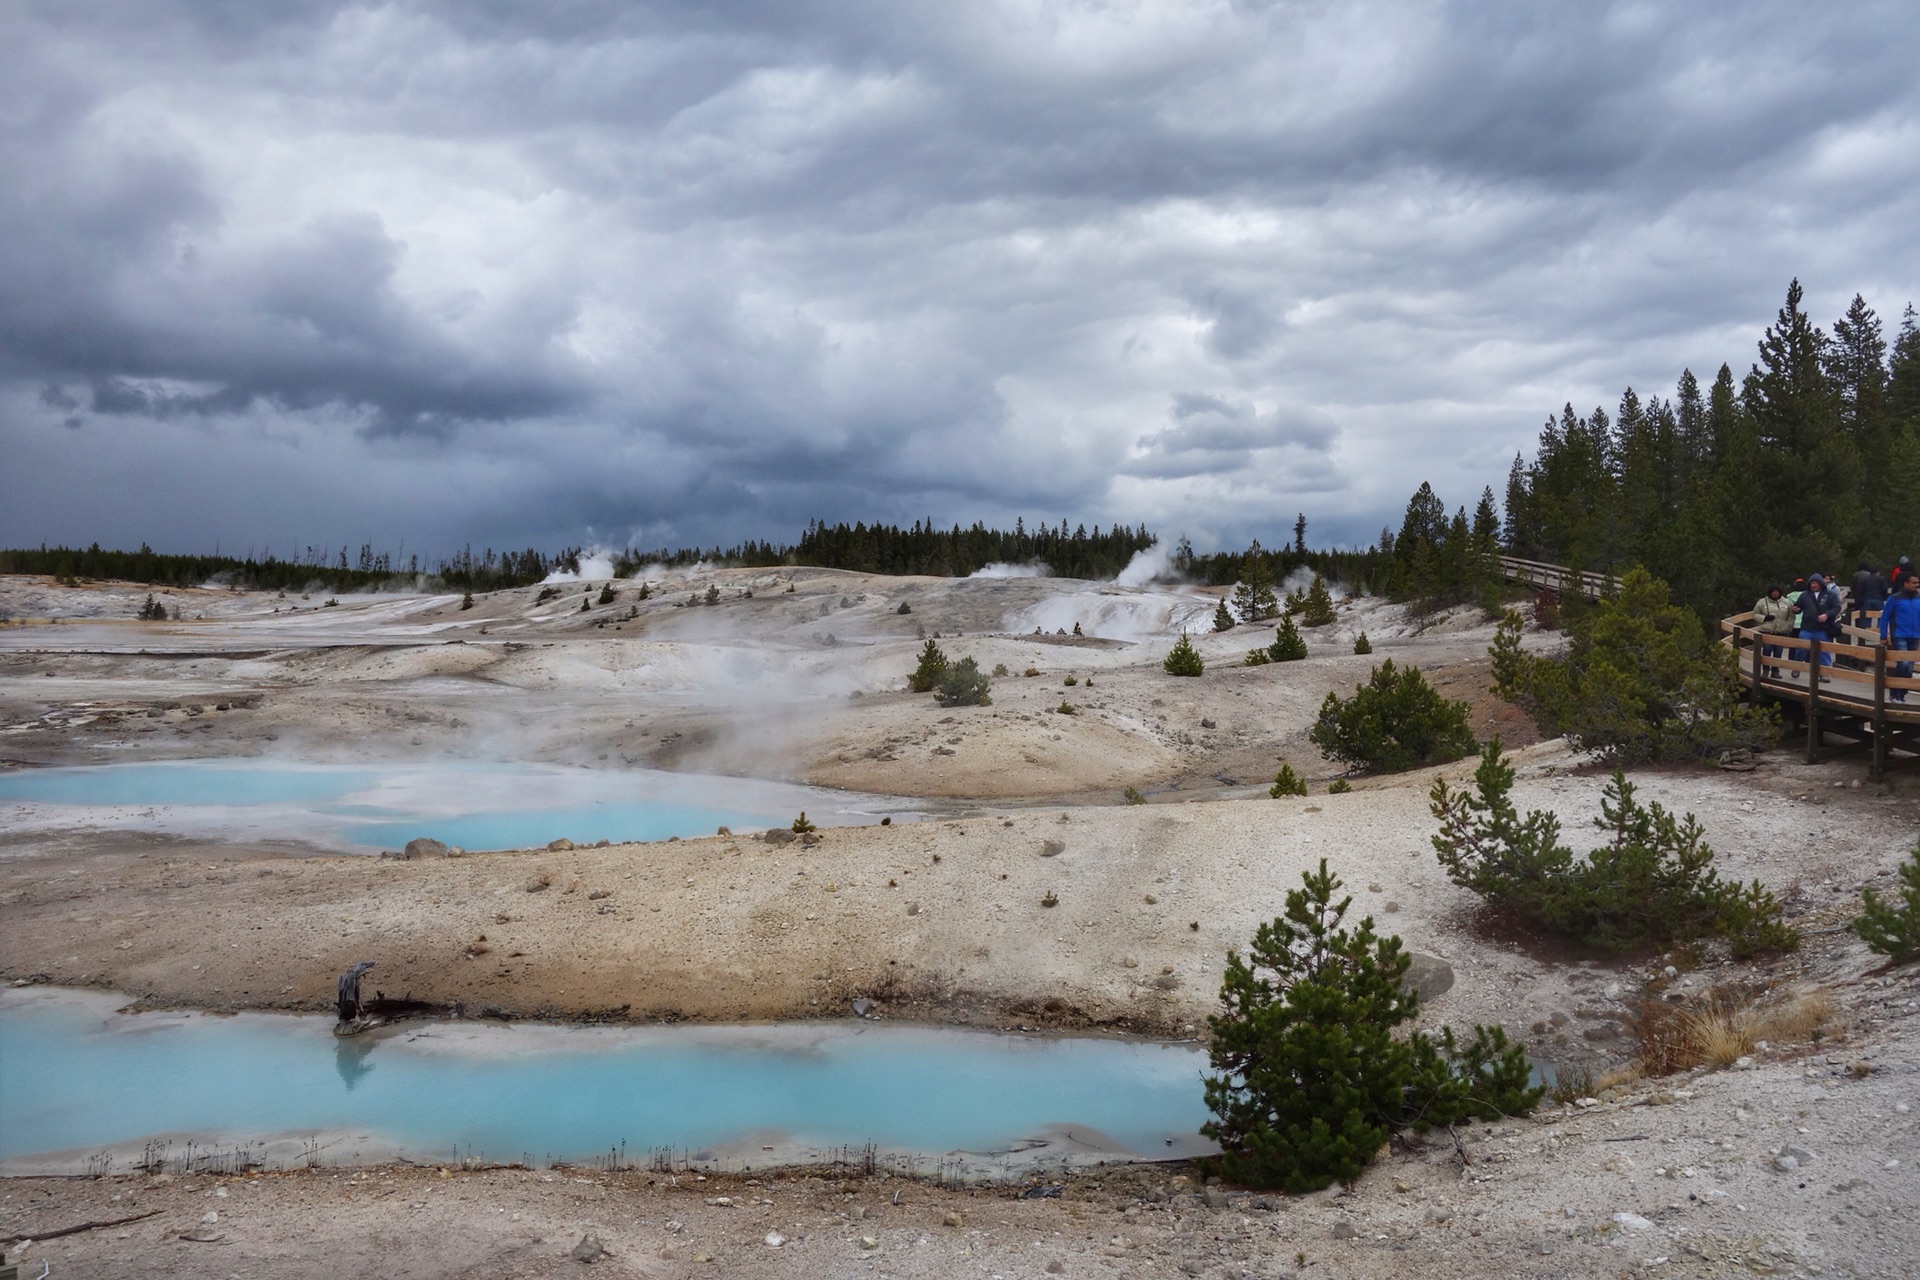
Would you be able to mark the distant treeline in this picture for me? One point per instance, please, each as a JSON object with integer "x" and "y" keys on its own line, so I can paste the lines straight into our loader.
{"x": 152, "y": 568}
{"x": 1811, "y": 461}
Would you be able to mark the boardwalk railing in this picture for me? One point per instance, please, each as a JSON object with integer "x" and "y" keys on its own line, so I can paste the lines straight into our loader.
{"x": 1858, "y": 694}
{"x": 1556, "y": 578}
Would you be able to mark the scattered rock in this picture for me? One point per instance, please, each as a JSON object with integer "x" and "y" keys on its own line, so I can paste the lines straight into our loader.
{"x": 954, "y": 1220}
{"x": 778, "y": 835}
{"x": 1428, "y": 975}
{"x": 1052, "y": 848}
{"x": 425, "y": 847}
{"x": 1208, "y": 724}
{"x": 1633, "y": 1222}
{"x": 559, "y": 846}
{"x": 861, "y": 1007}
{"x": 589, "y": 1249}
{"x": 869, "y": 1243}
{"x": 539, "y": 883}
{"x": 775, "y": 1239}
{"x": 1345, "y": 1231}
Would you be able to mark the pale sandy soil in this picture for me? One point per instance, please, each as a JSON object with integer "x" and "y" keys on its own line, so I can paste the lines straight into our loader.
{"x": 939, "y": 920}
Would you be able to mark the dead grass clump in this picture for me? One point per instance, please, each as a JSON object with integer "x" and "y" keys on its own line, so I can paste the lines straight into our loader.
{"x": 1805, "y": 1017}
{"x": 1722, "y": 1028}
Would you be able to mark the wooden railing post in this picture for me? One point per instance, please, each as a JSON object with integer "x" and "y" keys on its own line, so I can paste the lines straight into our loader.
{"x": 1879, "y": 710}
{"x": 1813, "y": 698}
{"x": 1758, "y": 679}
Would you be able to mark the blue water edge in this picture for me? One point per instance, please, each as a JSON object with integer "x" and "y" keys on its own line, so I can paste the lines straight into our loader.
{"x": 475, "y": 806}
{"x": 77, "y": 1077}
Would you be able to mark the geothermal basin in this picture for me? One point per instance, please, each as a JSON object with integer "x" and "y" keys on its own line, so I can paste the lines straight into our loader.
{"x": 87, "y": 1088}
{"x": 365, "y": 807}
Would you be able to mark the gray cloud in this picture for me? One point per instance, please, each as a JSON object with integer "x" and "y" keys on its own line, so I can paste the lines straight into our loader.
{"x": 308, "y": 271}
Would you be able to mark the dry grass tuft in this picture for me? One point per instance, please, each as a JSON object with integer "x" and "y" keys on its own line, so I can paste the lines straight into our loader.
{"x": 1722, "y": 1028}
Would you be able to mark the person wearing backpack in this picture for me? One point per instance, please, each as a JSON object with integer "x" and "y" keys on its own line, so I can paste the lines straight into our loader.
{"x": 1900, "y": 627}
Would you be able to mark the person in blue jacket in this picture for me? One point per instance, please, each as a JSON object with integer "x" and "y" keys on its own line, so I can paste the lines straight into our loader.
{"x": 1819, "y": 617}
{"x": 1900, "y": 626}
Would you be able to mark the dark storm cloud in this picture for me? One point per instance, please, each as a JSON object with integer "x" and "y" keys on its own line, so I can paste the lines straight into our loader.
{"x": 695, "y": 272}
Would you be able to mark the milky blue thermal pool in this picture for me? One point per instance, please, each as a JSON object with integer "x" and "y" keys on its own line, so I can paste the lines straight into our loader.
{"x": 77, "y": 1078}
{"x": 475, "y": 806}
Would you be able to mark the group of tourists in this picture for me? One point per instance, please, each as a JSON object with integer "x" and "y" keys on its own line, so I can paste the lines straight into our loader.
{"x": 1813, "y": 609}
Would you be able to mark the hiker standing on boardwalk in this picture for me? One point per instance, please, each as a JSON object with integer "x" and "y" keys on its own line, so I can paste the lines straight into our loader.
{"x": 1773, "y": 616}
{"x": 1900, "y": 626}
{"x": 1867, "y": 594}
{"x": 1819, "y": 616}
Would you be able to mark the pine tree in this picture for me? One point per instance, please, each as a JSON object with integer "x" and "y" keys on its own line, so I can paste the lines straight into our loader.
{"x": 1287, "y": 783}
{"x": 1317, "y": 611}
{"x": 1361, "y": 646}
{"x": 1288, "y": 645}
{"x": 1183, "y": 659}
{"x": 1893, "y": 928}
{"x": 1222, "y": 617}
{"x": 1253, "y": 598}
{"x": 1300, "y": 534}
{"x": 933, "y": 665}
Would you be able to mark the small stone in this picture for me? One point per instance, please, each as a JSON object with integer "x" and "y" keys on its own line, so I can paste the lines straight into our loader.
{"x": 1375, "y": 887}
{"x": 1052, "y": 848}
{"x": 1345, "y": 1231}
{"x": 209, "y": 1216}
{"x": 1391, "y": 906}
{"x": 1633, "y": 1221}
{"x": 1743, "y": 1063}
{"x": 561, "y": 845}
{"x": 861, "y": 1007}
{"x": 954, "y": 1220}
{"x": 1215, "y": 1199}
{"x": 1785, "y": 1164}
{"x": 589, "y": 1249}
{"x": 868, "y": 1242}
{"x": 1799, "y": 1154}
{"x": 1901, "y": 1108}
{"x": 1056, "y": 1267}
{"x": 424, "y": 847}
{"x": 775, "y": 1239}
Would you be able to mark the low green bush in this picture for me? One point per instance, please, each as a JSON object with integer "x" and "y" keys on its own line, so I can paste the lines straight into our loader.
{"x": 1183, "y": 659}
{"x": 904, "y": 606}
{"x": 1651, "y": 883}
{"x": 1222, "y": 617}
{"x": 1361, "y": 646}
{"x": 607, "y": 594}
{"x": 1132, "y": 796}
{"x": 963, "y": 684}
{"x": 1893, "y": 928}
{"x": 933, "y": 665}
{"x": 1395, "y": 721}
{"x": 1339, "y": 787}
{"x": 1287, "y": 783}
{"x": 1309, "y": 1077}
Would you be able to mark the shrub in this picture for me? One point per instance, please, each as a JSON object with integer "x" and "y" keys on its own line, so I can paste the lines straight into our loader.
{"x": 1031, "y": 671}
{"x": 646, "y": 592}
{"x": 963, "y": 685}
{"x": 1393, "y": 722}
{"x": 1640, "y": 680}
{"x": 1893, "y": 928}
{"x": 1067, "y": 708}
{"x": 1222, "y": 617}
{"x": 1652, "y": 882}
{"x": 607, "y": 594}
{"x": 1339, "y": 787}
{"x": 801, "y": 826}
{"x": 1132, "y": 796}
{"x": 713, "y": 593}
{"x": 933, "y": 665}
{"x": 999, "y": 669}
{"x": 1076, "y": 629}
{"x": 1070, "y": 681}
{"x": 1316, "y": 610}
{"x": 904, "y": 606}
{"x": 1183, "y": 659}
{"x": 1287, "y": 783}
{"x": 1310, "y": 1078}
{"x": 1257, "y": 658}
{"x": 1288, "y": 644}
{"x": 466, "y": 601}
{"x": 154, "y": 611}
{"x": 1361, "y": 646}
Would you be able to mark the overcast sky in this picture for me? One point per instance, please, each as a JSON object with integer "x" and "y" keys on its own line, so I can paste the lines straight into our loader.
{"x": 598, "y": 271}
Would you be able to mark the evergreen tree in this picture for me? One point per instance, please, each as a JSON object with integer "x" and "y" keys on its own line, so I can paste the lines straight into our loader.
{"x": 1317, "y": 610}
{"x": 1222, "y": 617}
{"x": 933, "y": 665}
{"x": 1183, "y": 659}
{"x": 1300, "y": 534}
{"x": 1288, "y": 644}
{"x": 1253, "y": 598}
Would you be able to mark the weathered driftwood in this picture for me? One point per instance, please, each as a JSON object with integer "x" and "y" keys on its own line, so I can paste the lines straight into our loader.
{"x": 76, "y": 1229}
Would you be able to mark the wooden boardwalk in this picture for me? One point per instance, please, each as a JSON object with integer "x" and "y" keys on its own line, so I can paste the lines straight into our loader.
{"x": 1556, "y": 578}
{"x": 1854, "y": 698}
